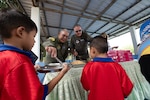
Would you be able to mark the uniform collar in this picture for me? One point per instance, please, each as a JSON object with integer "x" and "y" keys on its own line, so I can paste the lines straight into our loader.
{"x": 4, "y": 47}
{"x": 98, "y": 59}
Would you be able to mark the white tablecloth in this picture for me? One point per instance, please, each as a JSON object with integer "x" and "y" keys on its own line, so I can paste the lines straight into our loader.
{"x": 70, "y": 88}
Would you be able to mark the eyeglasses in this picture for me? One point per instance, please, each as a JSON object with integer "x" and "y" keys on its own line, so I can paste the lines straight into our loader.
{"x": 78, "y": 31}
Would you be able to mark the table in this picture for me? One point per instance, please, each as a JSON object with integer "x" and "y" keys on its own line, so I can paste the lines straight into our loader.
{"x": 141, "y": 88}
{"x": 70, "y": 88}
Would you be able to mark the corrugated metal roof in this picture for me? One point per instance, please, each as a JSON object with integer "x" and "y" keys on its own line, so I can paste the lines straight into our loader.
{"x": 95, "y": 16}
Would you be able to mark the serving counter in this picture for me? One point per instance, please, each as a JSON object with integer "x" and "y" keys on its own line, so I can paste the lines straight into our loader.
{"x": 70, "y": 88}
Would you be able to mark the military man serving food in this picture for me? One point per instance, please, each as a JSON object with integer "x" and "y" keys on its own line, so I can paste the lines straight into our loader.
{"x": 56, "y": 46}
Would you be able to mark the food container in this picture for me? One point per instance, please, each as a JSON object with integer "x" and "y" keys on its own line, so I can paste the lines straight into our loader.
{"x": 52, "y": 67}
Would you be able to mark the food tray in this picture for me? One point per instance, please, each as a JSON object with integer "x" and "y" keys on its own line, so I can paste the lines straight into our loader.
{"x": 53, "y": 67}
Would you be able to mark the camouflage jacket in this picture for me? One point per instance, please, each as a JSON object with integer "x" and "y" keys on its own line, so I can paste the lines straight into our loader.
{"x": 62, "y": 50}
{"x": 80, "y": 44}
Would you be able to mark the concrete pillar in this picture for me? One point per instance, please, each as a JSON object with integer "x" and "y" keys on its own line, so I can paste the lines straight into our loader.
{"x": 133, "y": 36}
{"x": 35, "y": 16}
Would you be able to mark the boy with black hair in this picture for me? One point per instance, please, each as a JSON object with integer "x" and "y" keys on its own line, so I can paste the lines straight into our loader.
{"x": 103, "y": 78}
{"x": 18, "y": 79}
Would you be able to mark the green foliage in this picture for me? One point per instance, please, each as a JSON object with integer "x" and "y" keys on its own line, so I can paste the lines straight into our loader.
{"x": 3, "y": 4}
{"x": 9, "y": 3}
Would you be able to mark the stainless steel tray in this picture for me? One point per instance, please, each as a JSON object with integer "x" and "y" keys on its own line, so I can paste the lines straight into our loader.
{"x": 52, "y": 67}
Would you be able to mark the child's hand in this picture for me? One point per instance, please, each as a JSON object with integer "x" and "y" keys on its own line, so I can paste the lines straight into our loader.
{"x": 65, "y": 68}
{"x": 36, "y": 67}
{"x": 55, "y": 80}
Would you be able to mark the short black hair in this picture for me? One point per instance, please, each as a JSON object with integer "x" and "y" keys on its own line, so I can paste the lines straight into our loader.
{"x": 11, "y": 19}
{"x": 77, "y": 25}
{"x": 100, "y": 43}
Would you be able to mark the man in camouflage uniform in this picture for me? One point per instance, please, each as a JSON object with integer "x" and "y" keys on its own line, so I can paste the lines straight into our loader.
{"x": 56, "y": 46}
{"x": 79, "y": 42}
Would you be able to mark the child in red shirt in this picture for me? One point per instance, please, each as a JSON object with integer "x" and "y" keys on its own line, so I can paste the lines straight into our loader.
{"x": 18, "y": 79}
{"x": 103, "y": 78}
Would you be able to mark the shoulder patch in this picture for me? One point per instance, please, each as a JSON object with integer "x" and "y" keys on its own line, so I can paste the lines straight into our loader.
{"x": 52, "y": 38}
